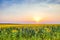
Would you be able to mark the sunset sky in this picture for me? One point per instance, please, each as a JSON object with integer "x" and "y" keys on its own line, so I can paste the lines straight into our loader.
{"x": 30, "y": 11}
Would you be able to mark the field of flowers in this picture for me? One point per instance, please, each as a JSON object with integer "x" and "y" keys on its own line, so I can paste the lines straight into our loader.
{"x": 29, "y": 31}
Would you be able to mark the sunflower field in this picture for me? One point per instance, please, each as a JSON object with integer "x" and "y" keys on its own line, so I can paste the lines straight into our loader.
{"x": 29, "y": 31}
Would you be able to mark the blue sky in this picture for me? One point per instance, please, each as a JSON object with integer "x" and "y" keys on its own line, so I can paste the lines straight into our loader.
{"x": 17, "y": 11}
{"x": 8, "y": 3}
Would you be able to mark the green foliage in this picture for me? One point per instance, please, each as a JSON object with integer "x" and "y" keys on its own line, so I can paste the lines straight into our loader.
{"x": 29, "y": 33}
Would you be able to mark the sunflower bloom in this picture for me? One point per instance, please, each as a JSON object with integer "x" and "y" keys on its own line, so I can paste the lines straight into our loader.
{"x": 14, "y": 31}
{"x": 47, "y": 29}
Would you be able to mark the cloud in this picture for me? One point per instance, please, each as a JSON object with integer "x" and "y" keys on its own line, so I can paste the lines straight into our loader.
{"x": 31, "y": 1}
{"x": 7, "y": 3}
{"x": 18, "y": 9}
{"x": 33, "y": 9}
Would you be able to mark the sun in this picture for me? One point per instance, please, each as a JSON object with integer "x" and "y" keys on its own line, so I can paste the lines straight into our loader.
{"x": 37, "y": 19}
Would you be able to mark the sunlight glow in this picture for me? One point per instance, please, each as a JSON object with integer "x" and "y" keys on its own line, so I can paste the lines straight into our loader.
{"x": 37, "y": 19}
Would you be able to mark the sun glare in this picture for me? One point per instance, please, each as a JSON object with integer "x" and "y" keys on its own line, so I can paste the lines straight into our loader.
{"x": 37, "y": 19}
